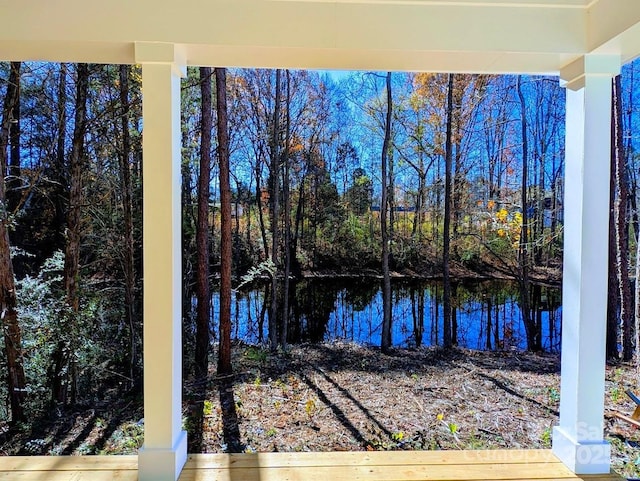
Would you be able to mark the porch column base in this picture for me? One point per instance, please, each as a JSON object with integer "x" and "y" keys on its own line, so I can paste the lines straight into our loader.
{"x": 585, "y": 457}
{"x": 158, "y": 464}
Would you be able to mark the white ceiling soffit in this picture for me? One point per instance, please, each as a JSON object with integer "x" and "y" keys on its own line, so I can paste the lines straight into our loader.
{"x": 495, "y": 36}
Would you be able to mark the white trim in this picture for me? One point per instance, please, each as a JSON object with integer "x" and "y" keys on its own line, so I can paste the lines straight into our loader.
{"x": 573, "y": 75}
{"x": 578, "y": 440}
{"x": 581, "y": 457}
{"x": 163, "y": 464}
{"x": 165, "y": 443}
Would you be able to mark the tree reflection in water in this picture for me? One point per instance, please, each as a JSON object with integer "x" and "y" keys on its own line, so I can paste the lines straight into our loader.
{"x": 487, "y": 314}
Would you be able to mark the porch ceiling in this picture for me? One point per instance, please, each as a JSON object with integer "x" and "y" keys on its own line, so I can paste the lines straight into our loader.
{"x": 495, "y": 36}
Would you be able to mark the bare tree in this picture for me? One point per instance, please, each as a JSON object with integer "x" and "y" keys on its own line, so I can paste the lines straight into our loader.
{"x": 384, "y": 210}
{"x": 65, "y": 368}
{"x": 287, "y": 217}
{"x": 224, "y": 353}
{"x": 446, "y": 234}
{"x": 13, "y": 169}
{"x": 11, "y": 327}
{"x": 275, "y": 210}
{"x": 60, "y": 174}
{"x": 127, "y": 208}
{"x": 203, "y": 294}
{"x": 621, "y": 222}
{"x": 534, "y": 341}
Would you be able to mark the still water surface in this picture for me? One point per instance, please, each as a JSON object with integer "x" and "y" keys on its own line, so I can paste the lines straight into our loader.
{"x": 487, "y": 314}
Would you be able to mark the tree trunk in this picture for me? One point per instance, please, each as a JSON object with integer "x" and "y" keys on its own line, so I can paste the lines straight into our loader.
{"x": 633, "y": 184}
{"x": 11, "y": 328}
{"x": 203, "y": 294}
{"x": 487, "y": 344}
{"x": 533, "y": 341}
{"x": 263, "y": 229}
{"x": 59, "y": 168}
{"x": 248, "y": 217}
{"x": 76, "y": 164}
{"x": 454, "y": 313}
{"x": 621, "y": 225}
{"x": 65, "y": 378}
{"x": 385, "y": 343}
{"x": 127, "y": 209}
{"x": 446, "y": 234}
{"x": 417, "y": 308}
{"x": 224, "y": 352}
{"x": 60, "y": 202}
{"x": 299, "y": 215}
{"x": 287, "y": 220}
{"x": 539, "y": 155}
{"x": 391, "y": 199}
{"x": 418, "y": 218}
{"x": 637, "y": 310}
{"x": 236, "y": 213}
{"x": 13, "y": 172}
{"x": 263, "y": 312}
{"x": 314, "y": 218}
{"x": 541, "y": 208}
{"x": 613, "y": 299}
{"x": 275, "y": 212}
{"x": 189, "y": 216}
{"x": 554, "y": 206}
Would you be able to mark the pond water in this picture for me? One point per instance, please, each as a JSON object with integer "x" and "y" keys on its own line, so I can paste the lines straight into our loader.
{"x": 487, "y": 314}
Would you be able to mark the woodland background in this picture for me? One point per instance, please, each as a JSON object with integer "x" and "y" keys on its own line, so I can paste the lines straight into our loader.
{"x": 284, "y": 173}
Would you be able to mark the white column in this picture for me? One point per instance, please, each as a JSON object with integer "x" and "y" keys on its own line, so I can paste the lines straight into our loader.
{"x": 165, "y": 443}
{"x": 578, "y": 440}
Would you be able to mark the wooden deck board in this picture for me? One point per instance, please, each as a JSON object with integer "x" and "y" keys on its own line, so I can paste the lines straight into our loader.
{"x": 68, "y": 463}
{"x": 505, "y": 465}
{"x": 389, "y": 458}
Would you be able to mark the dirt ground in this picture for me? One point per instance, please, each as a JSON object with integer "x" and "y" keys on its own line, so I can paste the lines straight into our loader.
{"x": 349, "y": 397}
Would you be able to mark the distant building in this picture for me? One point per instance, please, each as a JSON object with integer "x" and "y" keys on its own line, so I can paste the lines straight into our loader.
{"x": 237, "y": 208}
